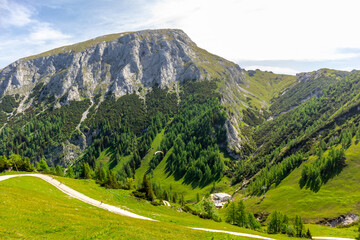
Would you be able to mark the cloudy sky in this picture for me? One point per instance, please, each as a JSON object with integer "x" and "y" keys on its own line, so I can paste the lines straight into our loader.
{"x": 282, "y": 36}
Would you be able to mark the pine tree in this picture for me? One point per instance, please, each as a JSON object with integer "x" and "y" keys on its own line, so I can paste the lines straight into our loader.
{"x": 231, "y": 213}
{"x": 43, "y": 166}
{"x": 117, "y": 158}
{"x": 165, "y": 195}
{"x": 59, "y": 170}
{"x": 111, "y": 181}
{"x": 129, "y": 183}
{"x": 242, "y": 216}
{"x": 147, "y": 187}
{"x": 308, "y": 234}
{"x": 27, "y": 165}
{"x": 274, "y": 226}
{"x": 299, "y": 226}
{"x": 70, "y": 173}
{"x": 182, "y": 201}
{"x": 253, "y": 222}
{"x": 86, "y": 173}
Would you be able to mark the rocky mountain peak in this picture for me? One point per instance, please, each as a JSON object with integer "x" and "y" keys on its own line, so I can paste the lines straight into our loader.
{"x": 118, "y": 63}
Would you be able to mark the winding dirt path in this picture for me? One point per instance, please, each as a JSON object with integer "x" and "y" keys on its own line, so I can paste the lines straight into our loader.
{"x": 75, "y": 194}
{"x": 233, "y": 233}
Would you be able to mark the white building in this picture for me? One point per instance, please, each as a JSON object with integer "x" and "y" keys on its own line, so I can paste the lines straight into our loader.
{"x": 220, "y": 199}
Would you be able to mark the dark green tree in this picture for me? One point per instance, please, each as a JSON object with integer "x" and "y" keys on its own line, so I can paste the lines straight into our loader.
{"x": 59, "y": 170}
{"x": 147, "y": 188}
{"x": 87, "y": 172}
{"x": 308, "y": 234}
{"x": 242, "y": 220}
{"x": 275, "y": 223}
{"x": 70, "y": 173}
{"x": 253, "y": 223}
{"x": 231, "y": 213}
{"x": 111, "y": 181}
{"x": 43, "y": 166}
{"x": 299, "y": 226}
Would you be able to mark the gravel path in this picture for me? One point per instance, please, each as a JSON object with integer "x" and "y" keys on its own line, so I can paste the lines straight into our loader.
{"x": 75, "y": 194}
{"x": 233, "y": 233}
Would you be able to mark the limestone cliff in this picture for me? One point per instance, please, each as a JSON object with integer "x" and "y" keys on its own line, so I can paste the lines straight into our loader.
{"x": 119, "y": 64}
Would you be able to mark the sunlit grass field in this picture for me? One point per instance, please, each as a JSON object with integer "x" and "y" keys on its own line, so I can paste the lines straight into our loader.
{"x": 33, "y": 209}
{"x": 340, "y": 195}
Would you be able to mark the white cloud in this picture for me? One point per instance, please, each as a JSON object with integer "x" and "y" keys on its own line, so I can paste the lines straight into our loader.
{"x": 239, "y": 30}
{"x": 279, "y": 70}
{"x": 23, "y": 34}
{"x": 13, "y": 14}
{"x": 43, "y": 32}
{"x": 265, "y": 30}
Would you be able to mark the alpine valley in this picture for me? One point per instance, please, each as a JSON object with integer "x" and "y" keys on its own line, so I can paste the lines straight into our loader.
{"x": 150, "y": 116}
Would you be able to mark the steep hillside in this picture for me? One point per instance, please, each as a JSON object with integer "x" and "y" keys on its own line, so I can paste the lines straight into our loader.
{"x": 306, "y": 158}
{"x": 83, "y": 79}
{"x": 152, "y": 102}
{"x": 307, "y": 85}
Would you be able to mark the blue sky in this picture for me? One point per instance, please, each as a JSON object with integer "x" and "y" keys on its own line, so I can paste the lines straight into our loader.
{"x": 277, "y": 35}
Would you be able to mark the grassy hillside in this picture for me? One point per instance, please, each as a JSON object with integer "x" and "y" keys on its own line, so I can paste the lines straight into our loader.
{"x": 340, "y": 195}
{"x": 267, "y": 85}
{"x": 307, "y": 85}
{"x": 168, "y": 182}
{"x": 32, "y": 208}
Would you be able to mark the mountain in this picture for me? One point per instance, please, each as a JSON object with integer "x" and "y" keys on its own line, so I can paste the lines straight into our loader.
{"x": 152, "y": 102}
{"x": 116, "y": 65}
{"x": 119, "y": 63}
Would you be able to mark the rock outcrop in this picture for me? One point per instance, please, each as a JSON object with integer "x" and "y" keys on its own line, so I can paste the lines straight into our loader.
{"x": 119, "y": 64}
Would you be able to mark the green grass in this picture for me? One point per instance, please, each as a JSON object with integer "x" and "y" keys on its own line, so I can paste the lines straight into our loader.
{"x": 33, "y": 209}
{"x": 105, "y": 159}
{"x": 340, "y": 195}
{"x": 320, "y": 230}
{"x": 267, "y": 85}
{"x": 77, "y": 47}
{"x": 121, "y": 198}
{"x": 167, "y": 182}
{"x": 139, "y": 174}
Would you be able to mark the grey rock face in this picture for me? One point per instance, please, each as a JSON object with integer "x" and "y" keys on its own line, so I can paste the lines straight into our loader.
{"x": 120, "y": 64}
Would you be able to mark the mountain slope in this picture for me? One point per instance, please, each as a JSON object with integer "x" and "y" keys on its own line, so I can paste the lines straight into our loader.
{"x": 106, "y": 106}
{"x": 120, "y": 64}
{"x": 106, "y": 67}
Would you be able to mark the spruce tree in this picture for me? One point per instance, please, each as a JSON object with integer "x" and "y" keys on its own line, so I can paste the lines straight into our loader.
{"x": 253, "y": 222}
{"x": 299, "y": 226}
{"x": 43, "y": 166}
{"x": 70, "y": 173}
{"x": 273, "y": 226}
{"x": 147, "y": 187}
{"x": 86, "y": 171}
{"x": 242, "y": 216}
{"x": 231, "y": 213}
{"x": 59, "y": 170}
{"x": 308, "y": 234}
